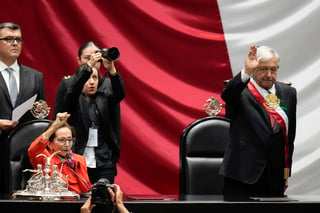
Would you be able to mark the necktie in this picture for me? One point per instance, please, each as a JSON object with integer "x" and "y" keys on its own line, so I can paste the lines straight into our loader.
{"x": 13, "y": 89}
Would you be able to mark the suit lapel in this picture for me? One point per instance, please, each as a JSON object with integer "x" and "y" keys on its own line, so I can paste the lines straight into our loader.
{"x": 24, "y": 81}
{"x": 280, "y": 94}
{"x": 264, "y": 113}
{"x": 284, "y": 95}
{"x": 4, "y": 88}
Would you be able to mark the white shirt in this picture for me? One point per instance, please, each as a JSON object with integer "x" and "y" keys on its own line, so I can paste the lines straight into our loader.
{"x": 16, "y": 73}
{"x": 90, "y": 157}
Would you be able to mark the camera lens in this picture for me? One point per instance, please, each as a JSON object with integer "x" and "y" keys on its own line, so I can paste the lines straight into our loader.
{"x": 111, "y": 54}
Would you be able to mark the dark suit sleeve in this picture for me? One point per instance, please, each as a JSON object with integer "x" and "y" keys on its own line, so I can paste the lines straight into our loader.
{"x": 118, "y": 89}
{"x": 59, "y": 102}
{"x": 42, "y": 91}
{"x": 232, "y": 92}
{"x": 74, "y": 90}
{"x": 31, "y": 83}
{"x": 292, "y": 123}
{"x": 115, "y": 111}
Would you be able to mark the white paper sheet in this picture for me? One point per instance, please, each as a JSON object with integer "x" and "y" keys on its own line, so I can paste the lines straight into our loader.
{"x": 19, "y": 111}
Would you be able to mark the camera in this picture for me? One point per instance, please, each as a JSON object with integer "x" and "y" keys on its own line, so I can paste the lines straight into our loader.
{"x": 112, "y": 54}
{"x": 100, "y": 194}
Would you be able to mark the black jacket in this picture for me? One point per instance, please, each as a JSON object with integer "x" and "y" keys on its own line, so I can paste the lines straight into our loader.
{"x": 109, "y": 94}
{"x": 254, "y": 143}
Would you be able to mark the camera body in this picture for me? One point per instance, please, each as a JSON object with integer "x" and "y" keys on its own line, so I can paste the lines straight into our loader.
{"x": 112, "y": 54}
{"x": 100, "y": 194}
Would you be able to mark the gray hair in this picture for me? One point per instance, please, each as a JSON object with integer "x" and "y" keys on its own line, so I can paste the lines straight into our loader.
{"x": 266, "y": 53}
{"x": 9, "y": 25}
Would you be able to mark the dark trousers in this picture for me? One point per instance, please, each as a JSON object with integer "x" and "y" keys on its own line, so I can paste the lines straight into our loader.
{"x": 268, "y": 185}
{"x": 4, "y": 165}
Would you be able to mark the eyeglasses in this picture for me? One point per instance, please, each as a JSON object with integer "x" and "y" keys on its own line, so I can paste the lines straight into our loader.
{"x": 11, "y": 39}
{"x": 264, "y": 70}
{"x": 63, "y": 141}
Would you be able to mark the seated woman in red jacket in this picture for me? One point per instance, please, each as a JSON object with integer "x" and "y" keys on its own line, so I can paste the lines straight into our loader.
{"x": 58, "y": 138}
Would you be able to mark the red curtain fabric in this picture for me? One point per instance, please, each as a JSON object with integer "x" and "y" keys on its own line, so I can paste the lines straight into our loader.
{"x": 173, "y": 57}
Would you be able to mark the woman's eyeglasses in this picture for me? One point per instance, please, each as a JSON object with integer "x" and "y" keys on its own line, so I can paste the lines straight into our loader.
{"x": 63, "y": 141}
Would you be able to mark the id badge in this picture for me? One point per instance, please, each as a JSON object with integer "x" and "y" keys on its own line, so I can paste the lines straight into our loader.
{"x": 93, "y": 137}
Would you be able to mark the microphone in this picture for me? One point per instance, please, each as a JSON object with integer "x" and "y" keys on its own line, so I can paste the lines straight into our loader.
{"x": 70, "y": 160}
{"x": 68, "y": 156}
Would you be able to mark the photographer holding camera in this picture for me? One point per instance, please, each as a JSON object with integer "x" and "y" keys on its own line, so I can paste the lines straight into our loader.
{"x": 94, "y": 104}
{"x": 116, "y": 198}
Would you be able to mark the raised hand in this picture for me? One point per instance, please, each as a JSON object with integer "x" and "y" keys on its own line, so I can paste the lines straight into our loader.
{"x": 251, "y": 61}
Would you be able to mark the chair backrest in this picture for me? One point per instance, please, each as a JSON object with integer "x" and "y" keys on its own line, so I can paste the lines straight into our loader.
{"x": 202, "y": 146}
{"x": 18, "y": 142}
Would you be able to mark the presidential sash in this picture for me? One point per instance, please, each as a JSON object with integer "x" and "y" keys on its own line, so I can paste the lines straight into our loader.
{"x": 272, "y": 104}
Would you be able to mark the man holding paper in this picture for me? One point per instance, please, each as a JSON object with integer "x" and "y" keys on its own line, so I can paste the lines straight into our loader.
{"x": 18, "y": 83}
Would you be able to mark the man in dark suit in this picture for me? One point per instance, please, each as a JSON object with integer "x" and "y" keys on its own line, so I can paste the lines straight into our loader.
{"x": 258, "y": 159}
{"x": 28, "y": 82}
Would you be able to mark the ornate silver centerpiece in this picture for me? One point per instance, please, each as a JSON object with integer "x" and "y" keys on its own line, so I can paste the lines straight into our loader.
{"x": 42, "y": 186}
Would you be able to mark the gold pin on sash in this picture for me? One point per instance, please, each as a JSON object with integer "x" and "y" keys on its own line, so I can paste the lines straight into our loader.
{"x": 286, "y": 173}
{"x": 271, "y": 102}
